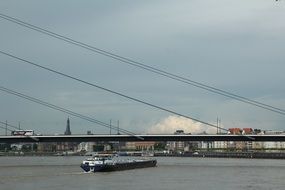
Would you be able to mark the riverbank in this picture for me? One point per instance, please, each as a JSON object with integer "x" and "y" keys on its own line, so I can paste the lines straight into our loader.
{"x": 256, "y": 155}
{"x": 204, "y": 154}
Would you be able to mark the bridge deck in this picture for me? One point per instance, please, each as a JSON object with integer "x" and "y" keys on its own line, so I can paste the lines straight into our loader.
{"x": 94, "y": 138}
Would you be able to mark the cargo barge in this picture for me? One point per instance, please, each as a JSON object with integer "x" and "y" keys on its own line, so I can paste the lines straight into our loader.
{"x": 107, "y": 163}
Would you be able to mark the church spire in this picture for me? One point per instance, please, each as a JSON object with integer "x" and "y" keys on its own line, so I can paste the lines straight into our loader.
{"x": 67, "y": 131}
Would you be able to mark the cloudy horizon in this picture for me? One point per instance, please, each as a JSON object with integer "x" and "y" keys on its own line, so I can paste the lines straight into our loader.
{"x": 237, "y": 46}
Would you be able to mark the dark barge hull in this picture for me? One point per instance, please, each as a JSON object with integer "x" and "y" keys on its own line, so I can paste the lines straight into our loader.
{"x": 119, "y": 166}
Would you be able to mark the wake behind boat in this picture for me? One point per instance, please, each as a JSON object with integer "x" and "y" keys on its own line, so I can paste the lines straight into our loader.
{"x": 107, "y": 163}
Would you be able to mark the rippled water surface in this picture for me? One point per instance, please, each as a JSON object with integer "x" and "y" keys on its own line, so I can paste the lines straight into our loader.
{"x": 64, "y": 173}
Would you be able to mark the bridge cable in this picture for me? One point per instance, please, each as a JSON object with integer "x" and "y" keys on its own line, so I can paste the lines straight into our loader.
{"x": 5, "y": 128}
{"x": 145, "y": 67}
{"x": 52, "y": 106}
{"x": 110, "y": 91}
{"x": 9, "y": 125}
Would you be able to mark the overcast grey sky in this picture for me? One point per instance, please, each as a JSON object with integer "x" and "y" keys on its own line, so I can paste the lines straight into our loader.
{"x": 234, "y": 45}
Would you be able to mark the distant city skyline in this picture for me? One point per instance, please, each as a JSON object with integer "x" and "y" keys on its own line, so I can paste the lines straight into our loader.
{"x": 232, "y": 45}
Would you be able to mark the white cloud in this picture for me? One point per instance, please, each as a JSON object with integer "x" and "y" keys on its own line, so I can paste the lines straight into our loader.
{"x": 172, "y": 123}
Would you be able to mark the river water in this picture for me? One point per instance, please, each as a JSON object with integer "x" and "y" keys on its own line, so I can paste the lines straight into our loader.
{"x": 64, "y": 173}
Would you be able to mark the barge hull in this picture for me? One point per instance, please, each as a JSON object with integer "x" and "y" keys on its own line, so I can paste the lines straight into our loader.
{"x": 119, "y": 166}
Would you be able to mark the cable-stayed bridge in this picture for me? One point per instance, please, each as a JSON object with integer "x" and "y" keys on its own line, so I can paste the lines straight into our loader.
{"x": 131, "y": 136}
{"x": 148, "y": 137}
